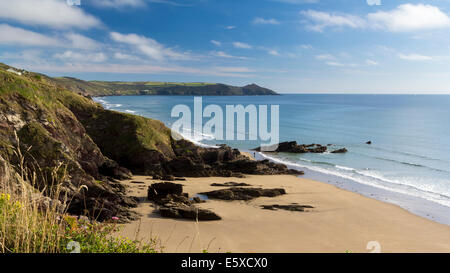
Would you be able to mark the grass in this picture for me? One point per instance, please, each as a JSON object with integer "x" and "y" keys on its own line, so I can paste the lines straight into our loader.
{"x": 31, "y": 223}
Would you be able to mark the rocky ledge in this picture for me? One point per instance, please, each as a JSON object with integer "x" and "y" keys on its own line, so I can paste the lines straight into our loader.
{"x": 291, "y": 207}
{"x": 173, "y": 203}
{"x": 294, "y": 147}
{"x": 194, "y": 161}
{"x": 237, "y": 193}
{"x": 230, "y": 184}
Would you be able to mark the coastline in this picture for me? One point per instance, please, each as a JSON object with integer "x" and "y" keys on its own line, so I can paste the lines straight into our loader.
{"x": 417, "y": 205}
{"x": 340, "y": 221}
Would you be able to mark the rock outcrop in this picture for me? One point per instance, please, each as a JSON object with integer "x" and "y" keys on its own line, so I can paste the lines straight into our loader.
{"x": 176, "y": 204}
{"x": 291, "y": 207}
{"x": 237, "y": 193}
{"x": 294, "y": 147}
{"x": 230, "y": 184}
{"x": 195, "y": 161}
{"x": 340, "y": 151}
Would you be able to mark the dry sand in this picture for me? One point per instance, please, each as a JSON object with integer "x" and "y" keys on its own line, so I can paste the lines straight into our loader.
{"x": 340, "y": 221}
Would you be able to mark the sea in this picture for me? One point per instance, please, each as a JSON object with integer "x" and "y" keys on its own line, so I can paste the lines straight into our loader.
{"x": 407, "y": 164}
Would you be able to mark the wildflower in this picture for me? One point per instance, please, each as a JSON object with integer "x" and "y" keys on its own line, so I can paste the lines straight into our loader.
{"x": 115, "y": 218}
{"x": 18, "y": 205}
{"x": 5, "y": 196}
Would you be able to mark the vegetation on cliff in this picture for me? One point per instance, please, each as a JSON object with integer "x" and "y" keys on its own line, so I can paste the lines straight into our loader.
{"x": 102, "y": 88}
{"x": 50, "y": 135}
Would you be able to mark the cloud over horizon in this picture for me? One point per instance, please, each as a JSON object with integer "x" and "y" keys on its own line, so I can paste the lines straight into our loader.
{"x": 400, "y": 19}
{"x": 50, "y": 13}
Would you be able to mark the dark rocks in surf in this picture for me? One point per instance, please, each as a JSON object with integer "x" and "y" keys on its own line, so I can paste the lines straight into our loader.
{"x": 340, "y": 151}
{"x": 294, "y": 147}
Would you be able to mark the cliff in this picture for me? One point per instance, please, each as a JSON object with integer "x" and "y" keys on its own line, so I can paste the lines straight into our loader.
{"x": 58, "y": 131}
{"x": 101, "y": 88}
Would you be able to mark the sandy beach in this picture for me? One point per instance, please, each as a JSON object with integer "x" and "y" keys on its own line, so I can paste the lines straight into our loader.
{"x": 340, "y": 221}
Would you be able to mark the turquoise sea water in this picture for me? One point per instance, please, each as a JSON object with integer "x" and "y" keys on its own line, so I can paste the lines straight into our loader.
{"x": 408, "y": 160}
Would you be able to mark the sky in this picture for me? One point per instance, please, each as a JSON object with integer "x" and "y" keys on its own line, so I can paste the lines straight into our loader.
{"x": 290, "y": 46}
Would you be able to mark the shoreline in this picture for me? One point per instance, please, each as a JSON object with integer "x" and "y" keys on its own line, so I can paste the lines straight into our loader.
{"x": 340, "y": 221}
{"x": 414, "y": 204}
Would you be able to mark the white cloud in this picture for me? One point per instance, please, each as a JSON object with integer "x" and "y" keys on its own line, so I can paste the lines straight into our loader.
{"x": 374, "y": 2}
{"x": 325, "y": 57}
{"x": 404, "y": 18}
{"x": 216, "y": 43}
{"x": 298, "y": 1}
{"x": 19, "y": 36}
{"x": 118, "y": 3}
{"x": 262, "y": 21}
{"x": 230, "y": 27}
{"x": 131, "y": 3}
{"x": 371, "y": 62}
{"x": 149, "y": 47}
{"x": 344, "y": 65}
{"x": 229, "y": 69}
{"x": 123, "y": 56}
{"x": 306, "y": 46}
{"x": 331, "y": 60}
{"x": 51, "y": 13}
{"x": 138, "y": 69}
{"x": 33, "y": 56}
{"x": 222, "y": 54}
{"x": 242, "y": 45}
{"x": 10, "y": 35}
{"x": 81, "y": 57}
{"x": 335, "y": 64}
{"x": 81, "y": 42}
{"x": 415, "y": 57}
{"x": 320, "y": 20}
{"x": 226, "y": 55}
{"x": 274, "y": 52}
{"x": 409, "y": 17}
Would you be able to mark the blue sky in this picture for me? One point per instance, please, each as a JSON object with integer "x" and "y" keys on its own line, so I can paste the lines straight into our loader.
{"x": 291, "y": 46}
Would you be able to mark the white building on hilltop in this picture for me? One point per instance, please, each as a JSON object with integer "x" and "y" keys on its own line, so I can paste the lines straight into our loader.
{"x": 14, "y": 71}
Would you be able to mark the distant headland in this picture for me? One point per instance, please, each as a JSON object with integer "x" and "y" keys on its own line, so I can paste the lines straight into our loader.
{"x": 116, "y": 88}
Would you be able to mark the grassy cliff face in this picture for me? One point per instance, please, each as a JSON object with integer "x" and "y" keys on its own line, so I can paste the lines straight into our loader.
{"x": 102, "y": 88}
{"x": 52, "y": 126}
{"x": 133, "y": 141}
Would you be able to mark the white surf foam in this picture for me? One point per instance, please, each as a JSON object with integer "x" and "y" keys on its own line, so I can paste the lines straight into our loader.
{"x": 370, "y": 179}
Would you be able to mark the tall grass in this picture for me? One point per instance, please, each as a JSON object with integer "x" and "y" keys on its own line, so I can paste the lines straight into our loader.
{"x": 37, "y": 221}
